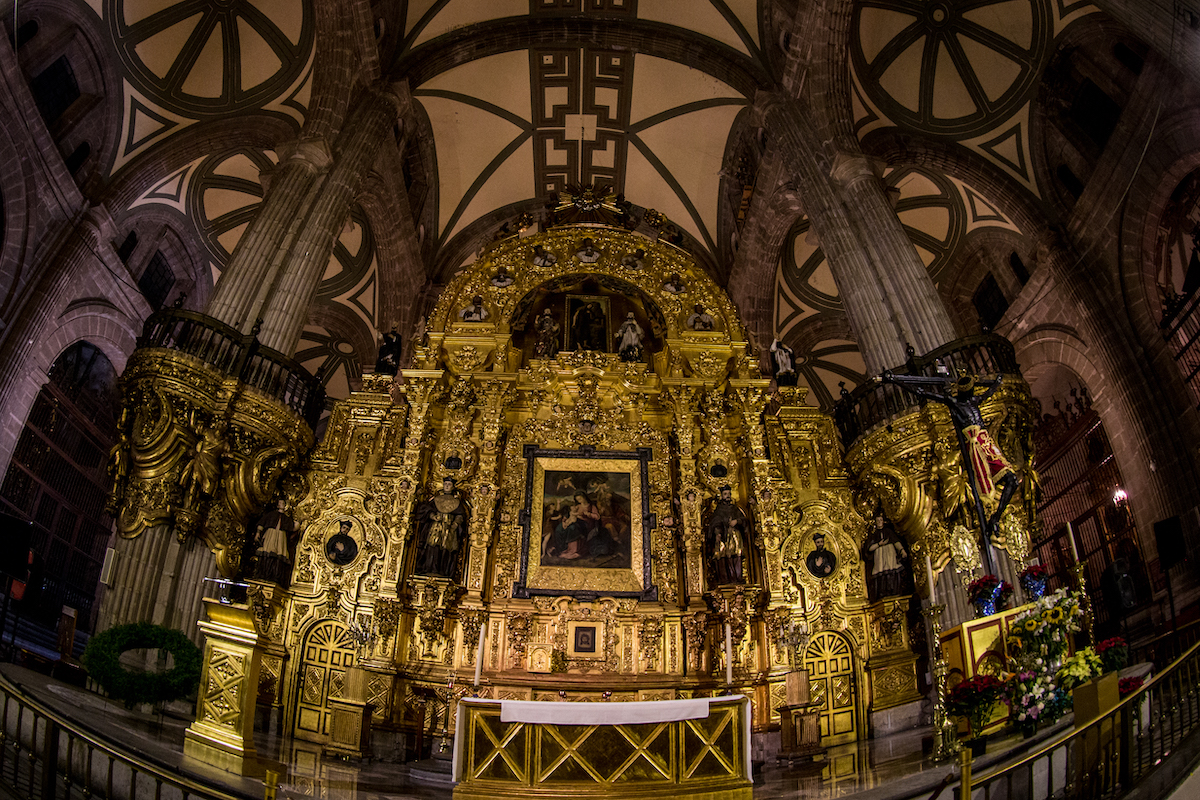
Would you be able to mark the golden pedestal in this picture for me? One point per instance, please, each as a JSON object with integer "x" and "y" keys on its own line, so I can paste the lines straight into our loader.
{"x": 1095, "y": 747}
{"x": 223, "y": 733}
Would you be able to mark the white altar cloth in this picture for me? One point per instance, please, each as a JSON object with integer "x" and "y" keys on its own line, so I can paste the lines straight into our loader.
{"x": 636, "y": 713}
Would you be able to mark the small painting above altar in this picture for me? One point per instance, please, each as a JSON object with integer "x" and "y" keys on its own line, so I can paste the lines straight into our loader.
{"x": 585, "y": 531}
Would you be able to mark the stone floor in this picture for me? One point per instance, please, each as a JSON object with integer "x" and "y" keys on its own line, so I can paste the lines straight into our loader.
{"x": 887, "y": 767}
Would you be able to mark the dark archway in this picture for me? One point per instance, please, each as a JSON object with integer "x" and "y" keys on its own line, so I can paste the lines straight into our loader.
{"x": 58, "y": 480}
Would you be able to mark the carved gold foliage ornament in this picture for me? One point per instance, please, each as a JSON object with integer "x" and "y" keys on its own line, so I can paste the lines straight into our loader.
{"x": 964, "y": 550}
{"x": 200, "y": 454}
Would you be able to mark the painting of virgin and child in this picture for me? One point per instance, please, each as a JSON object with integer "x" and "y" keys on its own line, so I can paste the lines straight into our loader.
{"x": 585, "y": 520}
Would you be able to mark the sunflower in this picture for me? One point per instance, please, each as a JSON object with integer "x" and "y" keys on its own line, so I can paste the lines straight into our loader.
{"x": 1056, "y": 615}
{"x": 1046, "y": 615}
{"x": 1031, "y": 625}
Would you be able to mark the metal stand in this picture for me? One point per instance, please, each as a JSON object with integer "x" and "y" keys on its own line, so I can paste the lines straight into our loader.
{"x": 945, "y": 733}
{"x": 1085, "y": 601}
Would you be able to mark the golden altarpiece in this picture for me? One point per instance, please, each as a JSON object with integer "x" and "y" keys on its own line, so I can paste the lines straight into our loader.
{"x": 575, "y": 549}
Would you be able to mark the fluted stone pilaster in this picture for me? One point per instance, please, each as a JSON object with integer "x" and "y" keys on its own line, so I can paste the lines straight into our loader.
{"x": 887, "y": 292}
{"x": 284, "y": 312}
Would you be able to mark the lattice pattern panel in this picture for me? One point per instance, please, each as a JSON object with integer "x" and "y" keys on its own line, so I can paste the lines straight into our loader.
{"x": 511, "y": 759}
{"x": 222, "y": 692}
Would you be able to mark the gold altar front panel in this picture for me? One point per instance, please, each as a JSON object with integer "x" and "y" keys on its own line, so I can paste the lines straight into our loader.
{"x": 687, "y": 758}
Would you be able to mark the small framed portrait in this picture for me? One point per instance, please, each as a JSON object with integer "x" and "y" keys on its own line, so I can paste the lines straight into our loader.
{"x": 584, "y": 640}
{"x": 341, "y": 548}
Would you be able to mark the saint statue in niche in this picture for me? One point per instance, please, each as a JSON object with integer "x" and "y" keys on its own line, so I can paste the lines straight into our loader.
{"x": 546, "y": 329}
{"x": 474, "y": 312}
{"x": 886, "y": 556}
{"x": 275, "y": 537}
{"x": 725, "y": 537}
{"x": 629, "y": 339}
{"x": 443, "y": 526}
{"x": 700, "y": 320}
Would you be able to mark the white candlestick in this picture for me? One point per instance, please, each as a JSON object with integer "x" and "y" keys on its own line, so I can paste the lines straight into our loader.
{"x": 479, "y": 652}
{"x": 728, "y": 655}
{"x": 929, "y": 577}
{"x": 1071, "y": 539}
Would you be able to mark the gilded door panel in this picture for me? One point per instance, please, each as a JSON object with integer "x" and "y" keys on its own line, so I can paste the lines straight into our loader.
{"x": 830, "y": 664}
{"x": 328, "y": 653}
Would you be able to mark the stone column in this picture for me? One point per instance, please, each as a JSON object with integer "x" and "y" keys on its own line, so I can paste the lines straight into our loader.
{"x": 887, "y": 292}
{"x": 294, "y": 284}
{"x": 238, "y": 295}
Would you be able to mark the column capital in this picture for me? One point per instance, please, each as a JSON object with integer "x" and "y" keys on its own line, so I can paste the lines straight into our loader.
{"x": 850, "y": 168}
{"x": 313, "y": 153}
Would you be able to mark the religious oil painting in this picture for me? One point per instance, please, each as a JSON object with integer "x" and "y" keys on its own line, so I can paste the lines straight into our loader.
{"x": 586, "y": 528}
{"x": 587, "y": 325}
{"x": 585, "y": 519}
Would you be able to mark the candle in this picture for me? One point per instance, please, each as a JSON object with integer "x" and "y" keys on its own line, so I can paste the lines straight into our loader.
{"x": 929, "y": 577}
{"x": 1071, "y": 539}
{"x": 728, "y": 655}
{"x": 479, "y": 652}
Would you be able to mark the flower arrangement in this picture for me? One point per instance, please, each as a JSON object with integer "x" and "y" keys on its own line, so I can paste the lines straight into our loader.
{"x": 1079, "y": 669}
{"x": 1028, "y": 695}
{"x": 983, "y": 588}
{"x": 1114, "y": 653}
{"x": 1128, "y": 686}
{"x": 1033, "y": 580}
{"x": 1038, "y": 636}
{"x": 1034, "y": 572}
{"x": 974, "y": 699}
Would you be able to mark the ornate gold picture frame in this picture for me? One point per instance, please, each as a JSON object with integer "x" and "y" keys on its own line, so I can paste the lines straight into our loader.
{"x": 586, "y": 524}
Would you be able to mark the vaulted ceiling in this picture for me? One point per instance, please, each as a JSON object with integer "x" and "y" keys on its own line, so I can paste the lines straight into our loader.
{"x": 519, "y": 98}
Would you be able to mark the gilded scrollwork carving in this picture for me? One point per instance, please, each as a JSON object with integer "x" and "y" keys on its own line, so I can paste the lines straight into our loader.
{"x": 197, "y": 453}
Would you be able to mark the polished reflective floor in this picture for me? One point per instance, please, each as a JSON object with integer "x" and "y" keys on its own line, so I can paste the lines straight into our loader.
{"x": 886, "y": 767}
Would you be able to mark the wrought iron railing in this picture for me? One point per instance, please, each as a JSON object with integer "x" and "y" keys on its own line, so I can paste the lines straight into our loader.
{"x": 45, "y": 756}
{"x": 238, "y": 355}
{"x": 1110, "y": 755}
{"x": 873, "y": 404}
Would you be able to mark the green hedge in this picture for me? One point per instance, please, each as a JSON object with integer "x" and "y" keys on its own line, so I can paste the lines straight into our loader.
{"x": 102, "y": 660}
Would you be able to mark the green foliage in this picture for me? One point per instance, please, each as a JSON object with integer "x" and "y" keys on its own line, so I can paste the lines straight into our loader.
{"x": 102, "y": 660}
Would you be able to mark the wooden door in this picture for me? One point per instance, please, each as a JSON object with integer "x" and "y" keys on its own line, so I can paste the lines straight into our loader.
{"x": 327, "y": 653}
{"x": 830, "y": 664}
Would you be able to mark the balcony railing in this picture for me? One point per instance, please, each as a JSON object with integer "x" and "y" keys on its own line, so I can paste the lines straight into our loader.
{"x": 873, "y": 404}
{"x": 1181, "y": 329}
{"x": 44, "y": 755}
{"x": 1110, "y": 755}
{"x": 238, "y": 355}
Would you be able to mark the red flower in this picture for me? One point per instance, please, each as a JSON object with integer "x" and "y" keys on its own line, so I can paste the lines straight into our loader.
{"x": 1035, "y": 572}
{"x": 1108, "y": 644}
{"x": 1129, "y": 685}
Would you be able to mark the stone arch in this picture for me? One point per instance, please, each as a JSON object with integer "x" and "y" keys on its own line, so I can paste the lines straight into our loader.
{"x": 68, "y": 29}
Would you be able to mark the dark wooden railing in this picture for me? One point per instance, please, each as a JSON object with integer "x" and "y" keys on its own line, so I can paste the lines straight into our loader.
{"x": 238, "y": 355}
{"x": 873, "y": 404}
